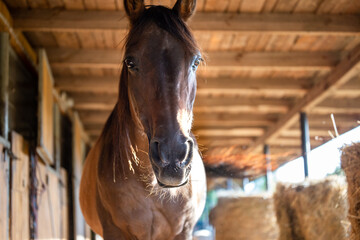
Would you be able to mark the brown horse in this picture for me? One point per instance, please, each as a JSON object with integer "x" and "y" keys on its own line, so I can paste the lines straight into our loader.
{"x": 144, "y": 178}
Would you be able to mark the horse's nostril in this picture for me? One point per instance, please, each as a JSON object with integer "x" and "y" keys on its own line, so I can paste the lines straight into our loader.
{"x": 189, "y": 153}
{"x": 155, "y": 151}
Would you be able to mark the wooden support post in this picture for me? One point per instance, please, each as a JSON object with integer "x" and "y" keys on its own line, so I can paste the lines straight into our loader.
{"x": 4, "y": 85}
{"x": 305, "y": 141}
{"x": 4, "y": 136}
{"x": 268, "y": 166}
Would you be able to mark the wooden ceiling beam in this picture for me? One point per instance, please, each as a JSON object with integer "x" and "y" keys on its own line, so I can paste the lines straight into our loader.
{"x": 306, "y": 24}
{"x": 223, "y": 142}
{"x": 100, "y": 116}
{"x": 297, "y": 133}
{"x": 233, "y": 132}
{"x": 208, "y": 124}
{"x": 249, "y": 87}
{"x": 90, "y": 101}
{"x": 341, "y": 74}
{"x": 241, "y": 108}
{"x": 104, "y": 84}
{"x": 110, "y": 58}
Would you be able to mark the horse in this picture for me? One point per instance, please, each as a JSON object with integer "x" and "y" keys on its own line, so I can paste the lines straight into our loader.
{"x": 144, "y": 178}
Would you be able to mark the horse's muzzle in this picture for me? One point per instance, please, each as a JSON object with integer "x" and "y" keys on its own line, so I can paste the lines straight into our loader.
{"x": 171, "y": 160}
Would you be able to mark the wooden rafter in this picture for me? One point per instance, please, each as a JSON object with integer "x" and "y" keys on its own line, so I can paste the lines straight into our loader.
{"x": 106, "y": 58}
{"x": 341, "y": 74}
{"x": 279, "y": 87}
{"x": 62, "y": 20}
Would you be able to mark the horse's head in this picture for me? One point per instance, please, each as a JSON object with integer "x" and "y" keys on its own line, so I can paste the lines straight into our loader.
{"x": 161, "y": 58}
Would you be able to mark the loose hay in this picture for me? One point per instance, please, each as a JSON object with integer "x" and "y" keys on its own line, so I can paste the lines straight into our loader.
{"x": 244, "y": 218}
{"x": 350, "y": 162}
{"x": 312, "y": 210}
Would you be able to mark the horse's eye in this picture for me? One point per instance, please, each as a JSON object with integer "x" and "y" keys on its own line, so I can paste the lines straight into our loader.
{"x": 196, "y": 63}
{"x": 129, "y": 63}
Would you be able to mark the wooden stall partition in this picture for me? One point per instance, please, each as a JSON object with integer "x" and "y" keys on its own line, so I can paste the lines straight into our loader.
{"x": 45, "y": 118}
{"x": 64, "y": 201}
{"x": 4, "y": 195}
{"x": 19, "y": 188}
{"x": 49, "y": 203}
{"x": 78, "y": 159}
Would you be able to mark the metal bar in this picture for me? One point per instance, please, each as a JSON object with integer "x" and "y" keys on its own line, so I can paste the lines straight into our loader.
{"x": 268, "y": 166}
{"x": 305, "y": 141}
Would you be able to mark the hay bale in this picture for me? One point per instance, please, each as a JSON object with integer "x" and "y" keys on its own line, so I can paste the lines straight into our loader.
{"x": 244, "y": 218}
{"x": 350, "y": 162}
{"x": 312, "y": 210}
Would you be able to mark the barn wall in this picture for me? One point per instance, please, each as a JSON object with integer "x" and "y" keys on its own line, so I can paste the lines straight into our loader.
{"x": 4, "y": 195}
{"x": 29, "y": 111}
{"x": 19, "y": 188}
{"x": 23, "y": 94}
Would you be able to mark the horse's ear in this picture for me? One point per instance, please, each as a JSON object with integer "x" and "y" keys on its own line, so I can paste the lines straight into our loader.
{"x": 134, "y": 8}
{"x": 185, "y": 8}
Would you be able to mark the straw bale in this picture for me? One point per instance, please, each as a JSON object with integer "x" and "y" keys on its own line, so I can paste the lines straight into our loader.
{"x": 244, "y": 218}
{"x": 312, "y": 210}
{"x": 350, "y": 162}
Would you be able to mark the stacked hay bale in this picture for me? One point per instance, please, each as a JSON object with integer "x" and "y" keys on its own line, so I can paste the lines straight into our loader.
{"x": 350, "y": 162}
{"x": 312, "y": 210}
{"x": 244, "y": 218}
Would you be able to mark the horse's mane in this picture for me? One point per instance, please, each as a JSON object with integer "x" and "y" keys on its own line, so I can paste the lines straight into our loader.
{"x": 119, "y": 145}
{"x": 166, "y": 19}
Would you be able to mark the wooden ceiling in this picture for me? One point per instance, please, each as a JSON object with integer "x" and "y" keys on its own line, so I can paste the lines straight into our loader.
{"x": 267, "y": 60}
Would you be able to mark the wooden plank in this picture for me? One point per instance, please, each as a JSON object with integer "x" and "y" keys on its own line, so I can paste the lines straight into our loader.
{"x": 307, "y": 6}
{"x": 285, "y": 6}
{"x": 232, "y": 105}
{"x": 19, "y": 188}
{"x": 202, "y": 104}
{"x": 105, "y": 84}
{"x": 277, "y": 87}
{"x": 46, "y": 103}
{"x": 60, "y": 20}
{"x": 78, "y": 160}
{"x": 251, "y": 6}
{"x": 223, "y": 142}
{"x": 233, "y": 6}
{"x": 337, "y": 106}
{"x": 38, "y": 4}
{"x": 335, "y": 110}
{"x": 49, "y": 211}
{"x": 202, "y": 124}
{"x": 16, "y": 3}
{"x": 17, "y": 39}
{"x": 342, "y": 73}
{"x": 4, "y": 195}
{"x": 56, "y": 4}
{"x": 74, "y": 4}
{"x": 106, "y": 58}
{"x": 235, "y": 101}
{"x": 64, "y": 204}
{"x": 234, "y": 132}
{"x": 241, "y": 86}
{"x": 297, "y": 133}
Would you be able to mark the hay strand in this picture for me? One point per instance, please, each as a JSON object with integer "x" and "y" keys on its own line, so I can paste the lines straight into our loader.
{"x": 312, "y": 210}
{"x": 350, "y": 162}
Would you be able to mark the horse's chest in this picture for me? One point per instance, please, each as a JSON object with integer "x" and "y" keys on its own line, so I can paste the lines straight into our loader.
{"x": 149, "y": 217}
